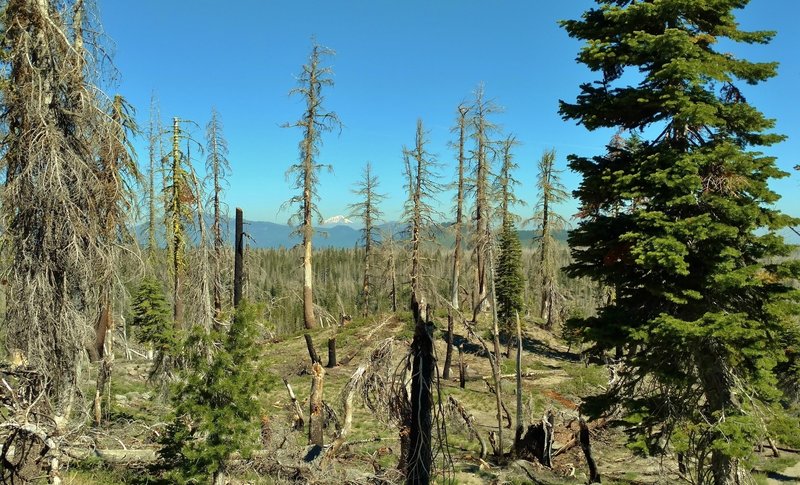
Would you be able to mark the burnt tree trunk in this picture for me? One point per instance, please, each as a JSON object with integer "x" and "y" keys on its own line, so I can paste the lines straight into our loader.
{"x": 448, "y": 356}
{"x": 520, "y": 416}
{"x": 331, "y": 353}
{"x": 418, "y": 467}
{"x": 316, "y": 418}
{"x": 462, "y": 369}
{"x": 311, "y": 351}
{"x": 238, "y": 262}
{"x": 586, "y": 446}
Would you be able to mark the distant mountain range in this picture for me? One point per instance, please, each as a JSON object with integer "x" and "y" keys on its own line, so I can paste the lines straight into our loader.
{"x": 262, "y": 234}
{"x": 336, "y": 235}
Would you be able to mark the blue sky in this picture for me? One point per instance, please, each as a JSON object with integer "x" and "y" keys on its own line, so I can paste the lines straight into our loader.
{"x": 396, "y": 61}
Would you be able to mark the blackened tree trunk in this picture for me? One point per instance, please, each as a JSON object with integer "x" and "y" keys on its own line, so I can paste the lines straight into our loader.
{"x": 418, "y": 466}
{"x": 238, "y": 264}
{"x": 586, "y": 446}
{"x": 331, "y": 353}
{"x": 312, "y": 352}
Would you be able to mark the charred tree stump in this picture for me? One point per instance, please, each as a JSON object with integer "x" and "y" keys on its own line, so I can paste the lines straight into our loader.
{"x": 537, "y": 443}
{"x": 331, "y": 353}
{"x": 238, "y": 262}
{"x": 311, "y": 351}
{"x": 418, "y": 467}
{"x": 448, "y": 356}
{"x": 586, "y": 446}
{"x": 316, "y": 419}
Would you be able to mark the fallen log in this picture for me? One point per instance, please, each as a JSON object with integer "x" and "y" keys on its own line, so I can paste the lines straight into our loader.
{"x": 298, "y": 421}
{"x": 469, "y": 420}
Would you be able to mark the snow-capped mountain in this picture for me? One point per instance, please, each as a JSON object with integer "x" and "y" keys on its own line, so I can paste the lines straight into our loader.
{"x": 337, "y": 220}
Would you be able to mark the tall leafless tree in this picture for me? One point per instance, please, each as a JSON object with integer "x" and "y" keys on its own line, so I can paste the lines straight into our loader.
{"x": 481, "y": 130}
{"x": 369, "y": 212}
{"x": 419, "y": 213}
{"x": 458, "y": 226}
{"x": 314, "y": 121}
{"x": 546, "y": 222}
{"x": 218, "y": 168}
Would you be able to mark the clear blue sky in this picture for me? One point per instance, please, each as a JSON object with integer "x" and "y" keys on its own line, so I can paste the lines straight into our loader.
{"x": 396, "y": 61}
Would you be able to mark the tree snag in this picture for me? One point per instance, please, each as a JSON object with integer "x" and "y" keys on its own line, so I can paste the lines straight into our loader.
{"x": 420, "y": 460}
{"x": 316, "y": 407}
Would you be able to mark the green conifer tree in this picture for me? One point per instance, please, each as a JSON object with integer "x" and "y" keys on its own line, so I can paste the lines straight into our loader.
{"x": 216, "y": 406}
{"x": 508, "y": 277}
{"x": 682, "y": 225}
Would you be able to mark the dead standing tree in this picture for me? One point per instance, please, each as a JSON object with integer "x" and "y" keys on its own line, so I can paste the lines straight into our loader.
{"x": 218, "y": 168}
{"x": 369, "y": 213}
{"x": 314, "y": 121}
{"x": 420, "y": 459}
{"x": 418, "y": 212}
{"x": 546, "y": 222}
{"x": 117, "y": 172}
{"x": 461, "y": 127}
{"x": 52, "y": 193}
{"x": 481, "y": 130}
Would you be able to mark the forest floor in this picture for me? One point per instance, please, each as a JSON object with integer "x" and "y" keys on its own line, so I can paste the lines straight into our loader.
{"x": 556, "y": 379}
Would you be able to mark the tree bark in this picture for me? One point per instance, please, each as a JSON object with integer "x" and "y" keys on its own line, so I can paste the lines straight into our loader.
{"x": 238, "y": 262}
{"x": 316, "y": 409}
{"x": 520, "y": 418}
{"x": 594, "y": 475}
{"x": 312, "y": 353}
{"x": 331, "y": 353}
{"x": 462, "y": 370}
{"x": 418, "y": 467}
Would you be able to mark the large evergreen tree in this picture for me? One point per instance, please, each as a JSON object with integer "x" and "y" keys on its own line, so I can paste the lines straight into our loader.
{"x": 682, "y": 225}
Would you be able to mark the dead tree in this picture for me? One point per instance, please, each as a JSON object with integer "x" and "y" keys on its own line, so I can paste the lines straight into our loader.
{"x": 462, "y": 368}
{"x": 448, "y": 356}
{"x": 238, "y": 264}
{"x": 370, "y": 214}
{"x": 218, "y": 168}
{"x": 538, "y": 441}
{"x": 481, "y": 130}
{"x": 469, "y": 422}
{"x": 316, "y": 407}
{"x": 312, "y": 352}
{"x": 583, "y": 434}
{"x": 420, "y": 460}
{"x": 546, "y": 222}
{"x": 520, "y": 415}
{"x": 298, "y": 421}
{"x": 461, "y": 127}
{"x": 331, "y": 353}
{"x": 53, "y": 123}
{"x": 418, "y": 213}
{"x": 314, "y": 121}
{"x": 154, "y": 132}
